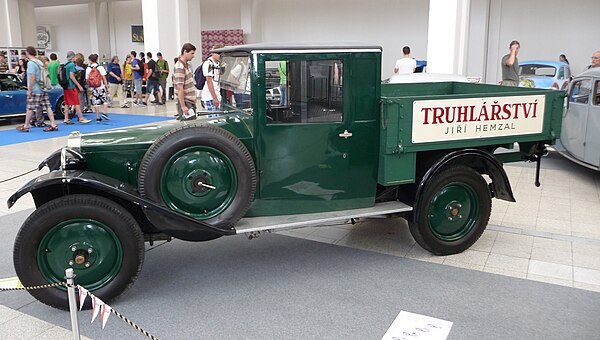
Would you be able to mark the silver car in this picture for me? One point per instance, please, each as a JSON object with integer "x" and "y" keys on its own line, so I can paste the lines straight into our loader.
{"x": 580, "y": 136}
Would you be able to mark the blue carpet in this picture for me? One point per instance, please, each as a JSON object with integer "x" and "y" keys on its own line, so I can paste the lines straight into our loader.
{"x": 8, "y": 137}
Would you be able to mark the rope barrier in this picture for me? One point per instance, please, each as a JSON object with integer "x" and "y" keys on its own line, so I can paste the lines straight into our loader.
{"x": 50, "y": 285}
{"x": 17, "y": 176}
{"x": 64, "y": 284}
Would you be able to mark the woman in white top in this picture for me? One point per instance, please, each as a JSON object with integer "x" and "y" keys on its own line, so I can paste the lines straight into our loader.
{"x": 95, "y": 76}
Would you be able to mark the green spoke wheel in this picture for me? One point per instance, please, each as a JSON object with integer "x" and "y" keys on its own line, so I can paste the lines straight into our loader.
{"x": 93, "y": 235}
{"x": 452, "y": 211}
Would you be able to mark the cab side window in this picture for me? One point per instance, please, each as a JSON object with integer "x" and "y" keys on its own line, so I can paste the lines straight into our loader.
{"x": 304, "y": 91}
{"x": 580, "y": 91}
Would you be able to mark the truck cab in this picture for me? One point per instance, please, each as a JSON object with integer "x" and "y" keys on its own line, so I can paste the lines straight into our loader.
{"x": 315, "y": 123}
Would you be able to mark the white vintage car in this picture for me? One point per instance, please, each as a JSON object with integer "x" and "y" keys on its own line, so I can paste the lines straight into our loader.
{"x": 579, "y": 139}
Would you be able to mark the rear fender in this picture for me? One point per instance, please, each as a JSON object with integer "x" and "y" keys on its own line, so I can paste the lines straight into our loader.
{"x": 61, "y": 183}
{"x": 483, "y": 162}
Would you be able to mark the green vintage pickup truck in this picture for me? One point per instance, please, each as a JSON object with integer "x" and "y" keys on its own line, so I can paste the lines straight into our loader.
{"x": 308, "y": 135}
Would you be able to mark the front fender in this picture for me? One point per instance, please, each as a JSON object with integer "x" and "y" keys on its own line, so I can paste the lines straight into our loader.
{"x": 61, "y": 183}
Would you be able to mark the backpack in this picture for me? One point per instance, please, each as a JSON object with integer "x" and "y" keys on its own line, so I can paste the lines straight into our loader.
{"x": 199, "y": 77}
{"x": 63, "y": 77}
{"x": 44, "y": 82}
{"x": 140, "y": 72}
{"x": 95, "y": 77}
{"x": 80, "y": 75}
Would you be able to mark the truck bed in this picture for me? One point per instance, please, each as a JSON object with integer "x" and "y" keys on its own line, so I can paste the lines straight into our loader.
{"x": 452, "y": 115}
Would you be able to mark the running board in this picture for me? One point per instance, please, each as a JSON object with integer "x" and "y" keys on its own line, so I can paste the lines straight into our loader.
{"x": 253, "y": 224}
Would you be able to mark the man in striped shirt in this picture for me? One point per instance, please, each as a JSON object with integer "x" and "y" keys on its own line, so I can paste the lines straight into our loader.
{"x": 184, "y": 83}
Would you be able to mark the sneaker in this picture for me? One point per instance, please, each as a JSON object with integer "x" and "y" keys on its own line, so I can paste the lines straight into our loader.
{"x": 41, "y": 125}
{"x": 104, "y": 115}
{"x": 143, "y": 104}
{"x": 98, "y": 120}
{"x": 84, "y": 121}
{"x": 68, "y": 122}
{"x": 125, "y": 106}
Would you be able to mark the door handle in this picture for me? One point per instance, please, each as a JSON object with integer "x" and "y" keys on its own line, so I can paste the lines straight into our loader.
{"x": 345, "y": 134}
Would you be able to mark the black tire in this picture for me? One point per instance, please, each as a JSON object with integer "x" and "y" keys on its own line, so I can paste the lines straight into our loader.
{"x": 452, "y": 211}
{"x": 67, "y": 228}
{"x": 199, "y": 145}
{"x": 58, "y": 109}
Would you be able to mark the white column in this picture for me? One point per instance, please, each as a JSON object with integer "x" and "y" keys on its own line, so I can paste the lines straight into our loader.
{"x": 17, "y": 23}
{"x": 250, "y": 21}
{"x": 447, "y": 36}
{"x": 168, "y": 24}
{"x": 99, "y": 29}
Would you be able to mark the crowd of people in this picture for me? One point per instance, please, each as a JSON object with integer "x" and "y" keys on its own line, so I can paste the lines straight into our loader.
{"x": 88, "y": 86}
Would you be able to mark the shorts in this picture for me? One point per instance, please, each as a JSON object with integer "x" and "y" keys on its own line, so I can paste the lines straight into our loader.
{"x": 137, "y": 86}
{"x": 151, "y": 86}
{"x": 99, "y": 96}
{"x": 127, "y": 85}
{"x": 38, "y": 101}
{"x": 209, "y": 105}
{"x": 71, "y": 96}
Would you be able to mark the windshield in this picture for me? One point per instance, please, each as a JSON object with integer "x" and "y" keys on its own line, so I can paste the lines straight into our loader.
{"x": 235, "y": 78}
{"x": 537, "y": 70}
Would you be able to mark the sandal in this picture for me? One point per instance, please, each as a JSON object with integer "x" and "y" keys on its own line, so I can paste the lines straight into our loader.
{"x": 22, "y": 128}
{"x": 51, "y": 128}
{"x": 68, "y": 122}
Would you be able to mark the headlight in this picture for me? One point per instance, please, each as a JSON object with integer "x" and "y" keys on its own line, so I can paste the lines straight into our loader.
{"x": 74, "y": 140}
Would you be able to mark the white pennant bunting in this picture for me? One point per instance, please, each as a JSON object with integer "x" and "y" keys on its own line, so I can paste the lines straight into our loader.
{"x": 96, "y": 306}
{"x": 83, "y": 293}
{"x": 105, "y": 314}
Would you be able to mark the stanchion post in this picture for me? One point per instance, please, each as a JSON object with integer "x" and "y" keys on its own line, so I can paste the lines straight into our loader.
{"x": 70, "y": 277}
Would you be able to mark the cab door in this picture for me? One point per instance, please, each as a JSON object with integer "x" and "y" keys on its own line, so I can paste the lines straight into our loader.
{"x": 317, "y": 139}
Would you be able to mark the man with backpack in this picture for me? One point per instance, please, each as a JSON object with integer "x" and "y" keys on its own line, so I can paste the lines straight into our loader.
{"x": 70, "y": 85}
{"x": 211, "y": 91}
{"x": 163, "y": 74}
{"x": 37, "y": 99}
{"x": 152, "y": 80}
{"x": 138, "y": 75}
{"x": 95, "y": 76}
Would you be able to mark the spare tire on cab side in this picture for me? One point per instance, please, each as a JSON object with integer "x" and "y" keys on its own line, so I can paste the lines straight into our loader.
{"x": 204, "y": 172}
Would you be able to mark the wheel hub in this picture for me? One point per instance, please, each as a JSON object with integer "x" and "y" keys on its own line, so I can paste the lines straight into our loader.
{"x": 453, "y": 210}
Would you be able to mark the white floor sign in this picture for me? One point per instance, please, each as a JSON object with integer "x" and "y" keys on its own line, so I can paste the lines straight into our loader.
{"x": 410, "y": 326}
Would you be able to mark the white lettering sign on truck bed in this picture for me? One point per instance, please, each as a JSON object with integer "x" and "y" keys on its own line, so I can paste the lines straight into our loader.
{"x": 471, "y": 118}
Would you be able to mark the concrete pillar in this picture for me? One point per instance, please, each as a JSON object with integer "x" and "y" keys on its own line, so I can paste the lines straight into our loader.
{"x": 447, "y": 36}
{"x": 17, "y": 23}
{"x": 168, "y": 24}
{"x": 99, "y": 30}
{"x": 250, "y": 21}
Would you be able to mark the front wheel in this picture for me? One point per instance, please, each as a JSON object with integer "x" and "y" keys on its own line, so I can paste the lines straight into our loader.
{"x": 452, "y": 211}
{"x": 95, "y": 236}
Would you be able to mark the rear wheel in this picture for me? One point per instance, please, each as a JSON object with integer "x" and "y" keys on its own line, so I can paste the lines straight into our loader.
{"x": 452, "y": 212}
{"x": 96, "y": 237}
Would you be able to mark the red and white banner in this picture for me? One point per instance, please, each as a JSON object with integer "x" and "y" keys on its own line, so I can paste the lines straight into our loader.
{"x": 98, "y": 306}
{"x": 472, "y": 118}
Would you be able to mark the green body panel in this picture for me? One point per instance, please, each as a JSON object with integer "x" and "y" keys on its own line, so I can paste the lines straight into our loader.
{"x": 397, "y": 152}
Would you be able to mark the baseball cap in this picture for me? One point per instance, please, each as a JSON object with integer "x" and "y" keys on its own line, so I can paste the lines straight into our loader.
{"x": 70, "y": 54}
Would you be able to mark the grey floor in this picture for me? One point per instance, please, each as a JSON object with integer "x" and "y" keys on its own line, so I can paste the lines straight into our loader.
{"x": 535, "y": 273}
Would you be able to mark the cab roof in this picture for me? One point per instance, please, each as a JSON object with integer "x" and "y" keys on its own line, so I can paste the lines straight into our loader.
{"x": 302, "y": 47}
